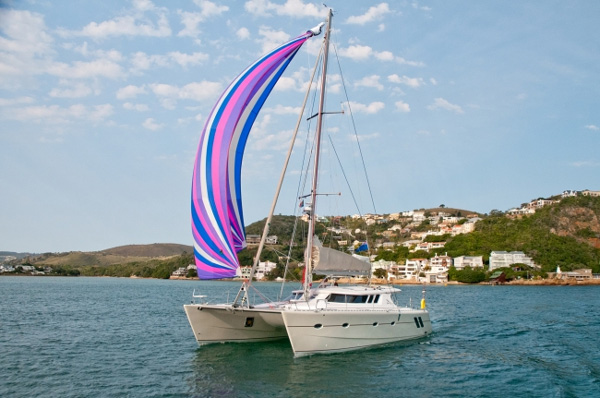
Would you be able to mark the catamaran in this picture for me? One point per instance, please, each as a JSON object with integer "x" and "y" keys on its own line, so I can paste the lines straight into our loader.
{"x": 325, "y": 318}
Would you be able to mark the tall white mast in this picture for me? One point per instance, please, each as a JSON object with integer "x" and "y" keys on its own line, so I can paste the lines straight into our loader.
{"x": 313, "y": 193}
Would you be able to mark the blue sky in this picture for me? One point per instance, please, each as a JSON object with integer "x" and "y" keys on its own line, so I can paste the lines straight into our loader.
{"x": 477, "y": 105}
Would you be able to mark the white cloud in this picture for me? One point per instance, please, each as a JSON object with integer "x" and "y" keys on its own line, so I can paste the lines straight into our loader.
{"x": 130, "y": 91}
{"x": 369, "y": 81}
{"x": 297, "y": 81}
{"x": 151, "y": 124}
{"x": 402, "y": 106}
{"x": 242, "y": 33}
{"x": 136, "y": 107}
{"x": 371, "y": 108}
{"x": 200, "y": 91}
{"x": 16, "y": 101}
{"x": 100, "y": 112}
{"x": 291, "y": 8}
{"x": 141, "y": 61}
{"x": 283, "y": 110}
{"x": 135, "y": 24}
{"x": 413, "y": 82}
{"x": 441, "y": 103}
{"x": 191, "y": 20}
{"x": 25, "y": 33}
{"x": 86, "y": 70}
{"x": 77, "y": 90}
{"x": 270, "y": 38}
{"x": 363, "y": 137}
{"x": 55, "y": 114}
{"x": 359, "y": 52}
{"x": 25, "y": 46}
{"x": 197, "y": 91}
{"x": 188, "y": 59}
{"x": 373, "y": 14}
{"x": 403, "y": 61}
{"x": 592, "y": 127}
{"x": 273, "y": 142}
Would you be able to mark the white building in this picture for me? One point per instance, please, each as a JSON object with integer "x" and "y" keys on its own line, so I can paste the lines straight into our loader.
{"x": 587, "y": 192}
{"x": 263, "y": 268}
{"x": 441, "y": 261}
{"x": 383, "y": 264}
{"x": 411, "y": 269}
{"x": 468, "y": 261}
{"x": 501, "y": 259}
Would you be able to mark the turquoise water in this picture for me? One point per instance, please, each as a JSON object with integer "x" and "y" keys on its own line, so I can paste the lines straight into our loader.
{"x": 110, "y": 337}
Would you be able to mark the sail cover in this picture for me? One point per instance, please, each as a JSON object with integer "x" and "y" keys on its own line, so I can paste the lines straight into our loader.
{"x": 329, "y": 261}
{"x": 217, "y": 216}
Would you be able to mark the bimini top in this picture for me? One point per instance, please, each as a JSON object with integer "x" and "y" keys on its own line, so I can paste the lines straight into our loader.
{"x": 217, "y": 216}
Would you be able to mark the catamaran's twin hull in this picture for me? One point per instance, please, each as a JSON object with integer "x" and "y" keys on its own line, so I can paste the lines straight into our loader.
{"x": 326, "y": 331}
{"x": 309, "y": 331}
{"x": 223, "y": 323}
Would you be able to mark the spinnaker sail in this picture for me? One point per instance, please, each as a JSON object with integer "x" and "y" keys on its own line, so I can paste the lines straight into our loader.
{"x": 217, "y": 215}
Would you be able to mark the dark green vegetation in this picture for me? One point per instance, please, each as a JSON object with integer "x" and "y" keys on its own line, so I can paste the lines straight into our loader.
{"x": 562, "y": 235}
{"x": 566, "y": 234}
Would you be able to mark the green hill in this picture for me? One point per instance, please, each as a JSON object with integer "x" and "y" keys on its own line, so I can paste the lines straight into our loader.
{"x": 564, "y": 234}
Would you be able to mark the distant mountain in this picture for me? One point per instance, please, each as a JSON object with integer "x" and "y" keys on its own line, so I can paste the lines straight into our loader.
{"x": 153, "y": 250}
{"x": 115, "y": 255}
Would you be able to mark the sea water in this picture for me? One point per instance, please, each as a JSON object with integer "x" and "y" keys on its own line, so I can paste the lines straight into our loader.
{"x": 113, "y": 337}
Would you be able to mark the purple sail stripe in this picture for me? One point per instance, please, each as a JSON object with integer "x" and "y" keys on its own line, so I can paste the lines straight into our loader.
{"x": 217, "y": 224}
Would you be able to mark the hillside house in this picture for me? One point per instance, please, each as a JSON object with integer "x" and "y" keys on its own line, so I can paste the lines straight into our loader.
{"x": 410, "y": 271}
{"x": 501, "y": 259}
{"x": 587, "y": 192}
{"x": 462, "y": 262}
{"x": 444, "y": 261}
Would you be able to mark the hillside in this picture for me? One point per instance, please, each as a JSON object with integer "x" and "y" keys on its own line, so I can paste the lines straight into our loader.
{"x": 564, "y": 234}
{"x": 116, "y": 255}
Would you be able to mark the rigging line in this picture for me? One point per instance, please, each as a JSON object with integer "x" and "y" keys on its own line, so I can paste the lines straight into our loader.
{"x": 301, "y": 181}
{"x": 354, "y": 127}
{"x": 344, "y": 174}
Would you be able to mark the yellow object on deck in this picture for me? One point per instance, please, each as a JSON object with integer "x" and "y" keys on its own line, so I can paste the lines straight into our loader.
{"x": 423, "y": 304}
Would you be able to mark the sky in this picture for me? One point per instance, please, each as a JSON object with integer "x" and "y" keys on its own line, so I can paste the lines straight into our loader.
{"x": 475, "y": 105}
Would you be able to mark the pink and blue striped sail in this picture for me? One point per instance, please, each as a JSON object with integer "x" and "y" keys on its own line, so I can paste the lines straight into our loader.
{"x": 217, "y": 215}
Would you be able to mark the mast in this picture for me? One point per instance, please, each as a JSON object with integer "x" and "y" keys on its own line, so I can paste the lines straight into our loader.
{"x": 313, "y": 193}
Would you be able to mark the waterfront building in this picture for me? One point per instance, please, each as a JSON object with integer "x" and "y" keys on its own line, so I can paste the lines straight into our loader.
{"x": 468, "y": 261}
{"x": 501, "y": 259}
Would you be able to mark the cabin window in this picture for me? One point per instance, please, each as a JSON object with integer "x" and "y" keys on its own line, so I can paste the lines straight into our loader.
{"x": 357, "y": 299}
{"x": 376, "y": 299}
{"x": 417, "y": 322}
{"x": 336, "y": 298}
{"x": 249, "y": 322}
{"x": 342, "y": 298}
{"x": 370, "y": 300}
{"x": 421, "y": 322}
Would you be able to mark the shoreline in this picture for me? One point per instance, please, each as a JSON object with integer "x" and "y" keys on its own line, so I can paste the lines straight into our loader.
{"x": 374, "y": 281}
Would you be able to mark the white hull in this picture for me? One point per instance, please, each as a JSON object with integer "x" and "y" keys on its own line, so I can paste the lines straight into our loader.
{"x": 223, "y": 323}
{"x": 329, "y": 331}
